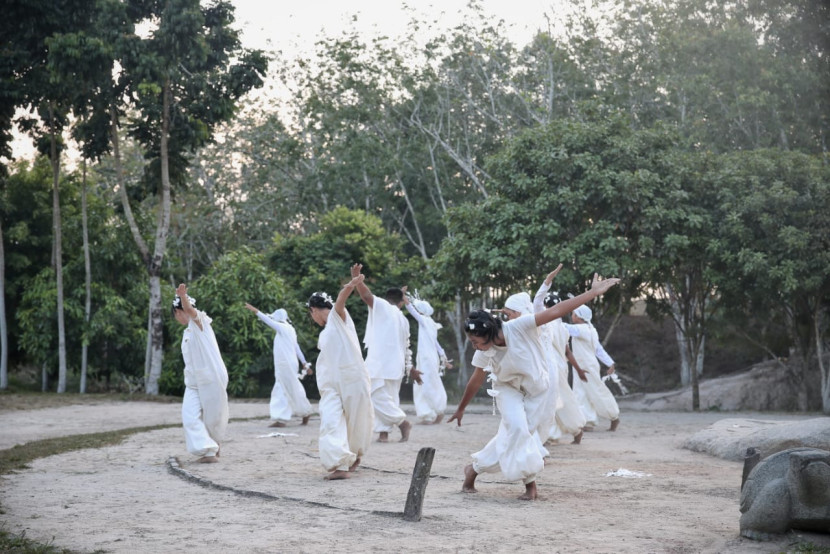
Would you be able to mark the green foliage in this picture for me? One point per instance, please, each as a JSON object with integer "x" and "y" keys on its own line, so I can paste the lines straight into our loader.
{"x": 245, "y": 343}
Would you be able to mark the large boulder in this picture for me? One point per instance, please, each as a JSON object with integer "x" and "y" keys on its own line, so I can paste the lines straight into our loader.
{"x": 788, "y": 490}
{"x": 730, "y": 438}
{"x": 765, "y": 387}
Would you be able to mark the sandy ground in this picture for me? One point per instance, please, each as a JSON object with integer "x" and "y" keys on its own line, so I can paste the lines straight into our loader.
{"x": 268, "y": 494}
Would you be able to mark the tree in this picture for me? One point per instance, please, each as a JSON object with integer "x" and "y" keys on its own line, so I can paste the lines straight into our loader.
{"x": 185, "y": 79}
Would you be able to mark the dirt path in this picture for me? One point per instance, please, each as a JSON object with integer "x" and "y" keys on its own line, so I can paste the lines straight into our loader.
{"x": 126, "y": 499}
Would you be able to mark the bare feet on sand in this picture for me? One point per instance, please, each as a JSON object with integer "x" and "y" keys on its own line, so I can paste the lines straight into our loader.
{"x": 530, "y": 492}
{"x": 277, "y": 424}
{"x": 305, "y": 420}
{"x": 383, "y": 437}
{"x": 355, "y": 464}
{"x": 439, "y": 418}
{"x": 469, "y": 479}
{"x": 405, "y": 428}
{"x": 336, "y": 475}
{"x": 207, "y": 460}
{"x": 614, "y": 425}
{"x": 577, "y": 438}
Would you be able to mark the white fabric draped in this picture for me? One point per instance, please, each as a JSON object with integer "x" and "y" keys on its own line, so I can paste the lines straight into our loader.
{"x": 288, "y": 395}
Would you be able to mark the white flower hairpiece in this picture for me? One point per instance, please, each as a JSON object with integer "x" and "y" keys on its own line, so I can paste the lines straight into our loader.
{"x": 325, "y": 296}
{"x": 177, "y": 302}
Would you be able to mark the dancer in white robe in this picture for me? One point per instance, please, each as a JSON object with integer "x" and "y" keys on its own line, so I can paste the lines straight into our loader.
{"x": 346, "y": 416}
{"x": 594, "y": 397}
{"x": 429, "y": 396}
{"x": 569, "y": 417}
{"x": 388, "y": 357}
{"x": 288, "y": 395}
{"x": 205, "y": 402}
{"x": 513, "y": 354}
{"x": 515, "y": 306}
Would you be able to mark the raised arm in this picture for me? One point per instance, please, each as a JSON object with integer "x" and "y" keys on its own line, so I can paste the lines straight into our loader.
{"x": 345, "y": 292}
{"x": 265, "y": 318}
{"x": 181, "y": 292}
{"x": 598, "y": 287}
{"x": 364, "y": 292}
{"x": 539, "y": 299}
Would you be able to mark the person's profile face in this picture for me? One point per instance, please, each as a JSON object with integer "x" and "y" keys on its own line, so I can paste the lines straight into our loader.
{"x": 318, "y": 316}
{"x": 511, "y": 314}
{"x": 479, "y": 343}
{"x": 181, "y": 317}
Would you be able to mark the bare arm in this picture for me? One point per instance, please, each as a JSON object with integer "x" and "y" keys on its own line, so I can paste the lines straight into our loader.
{"x": 345, "y": 292}
{"x": 476, "y": 380}
{"x": 567, "y": 306}
{"x": 181, "y": 292}
{"x": 364, "y": 292}
{"x": 571, "y": 358}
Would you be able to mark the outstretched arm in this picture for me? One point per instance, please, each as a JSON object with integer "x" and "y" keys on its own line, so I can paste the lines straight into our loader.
{"x": 345, "y": 292}
{"x": 539, "y": 299}
{"x": 476, "y": 380}
{"x": 566, "y": 306}
{"x": 364, "y": 292}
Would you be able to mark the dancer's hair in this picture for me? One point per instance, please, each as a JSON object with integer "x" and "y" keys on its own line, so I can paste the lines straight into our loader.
{"x": 177, "y": 304}
{"x": 482, "y": 324}
{"x": 394, "y": 295}
{"x": 552, "y": 299}
{"x": 319, "y": 300}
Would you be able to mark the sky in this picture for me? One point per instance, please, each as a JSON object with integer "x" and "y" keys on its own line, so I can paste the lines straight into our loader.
{"x": 294, "y": 26}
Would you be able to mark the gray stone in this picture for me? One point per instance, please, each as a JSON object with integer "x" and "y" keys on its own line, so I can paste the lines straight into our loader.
{"x": 729, "y": 438}
{"x": 788, "y": 490}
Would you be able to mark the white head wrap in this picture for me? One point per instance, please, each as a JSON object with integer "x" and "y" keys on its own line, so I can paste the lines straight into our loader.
{"x": 423, "y": 307}
{"x": 280, "y": 315}
{"x": 520, "y": 302}
{"x": 584, "y": 313}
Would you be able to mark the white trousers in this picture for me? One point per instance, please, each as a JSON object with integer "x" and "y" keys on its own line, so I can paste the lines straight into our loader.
{"x": 595, "y": 400}
{"x": 430, "y": 398}
{"x": 288, "y": 397}
{"x": 345, "y": 424}
{"x": 387, "y": 402}
{"x": 515, "y": 451}
{"x": 198, "y": 438}
{"x": 569, "y": 418}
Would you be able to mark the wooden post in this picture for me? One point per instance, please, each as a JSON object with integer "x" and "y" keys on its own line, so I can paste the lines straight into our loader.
{"x": 418, "y": 487}
{"x": 751, "y": 459}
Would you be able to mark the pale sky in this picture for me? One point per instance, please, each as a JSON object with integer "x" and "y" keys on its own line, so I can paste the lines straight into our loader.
{"x": 293, "y": 26}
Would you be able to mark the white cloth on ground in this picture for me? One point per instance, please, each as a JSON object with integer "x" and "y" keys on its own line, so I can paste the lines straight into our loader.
{"x": 288, "y": 395}
{"x": 205, "y": 402}
{"x": 346, "y": 415}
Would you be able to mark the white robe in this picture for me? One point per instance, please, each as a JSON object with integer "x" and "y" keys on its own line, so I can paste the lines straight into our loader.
{"x": 595, "y": 400}
{"x": 205, "y": 402}
{"x": 288, "y": 395}
{"x": 430, "y": 398}
{"x": 521, "y": 380}
{"x": 346, "y": 416}
{"x": 569, "y": 416}
{"x": 387, "y": 360}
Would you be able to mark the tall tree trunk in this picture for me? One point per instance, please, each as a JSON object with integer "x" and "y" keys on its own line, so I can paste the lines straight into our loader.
{"x": 154, "y": 268}
{"x": 818, "y": 319}
{"x": 56, "y": 223}
{"x": 4, "y": 330}
{"x": 87, "y": 282}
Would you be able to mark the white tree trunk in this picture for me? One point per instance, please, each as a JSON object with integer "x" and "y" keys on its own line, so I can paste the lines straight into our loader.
{"x": 56, "y": 223}
{"x": 87, "y": 283}
{"x": 4, "y": 330}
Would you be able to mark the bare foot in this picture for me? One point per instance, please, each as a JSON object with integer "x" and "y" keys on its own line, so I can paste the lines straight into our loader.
{"x": 305, "y": 420}
{"x": 469, "y": 479}
{"x": 405, "y": 428}
{"x": 355, "y": 464}
{"x": 439, "y": 418}
{"x": 614, "y": 425}
{"x": 217, "y": 452}
{"x": 383, "y": 437}
{"x": 207, "y": 460}
{"x": 530, "y": 492}
{"x": 577, "y": 438}
{"x": 277, "y": 424}
{"x": 336, "y": 475}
